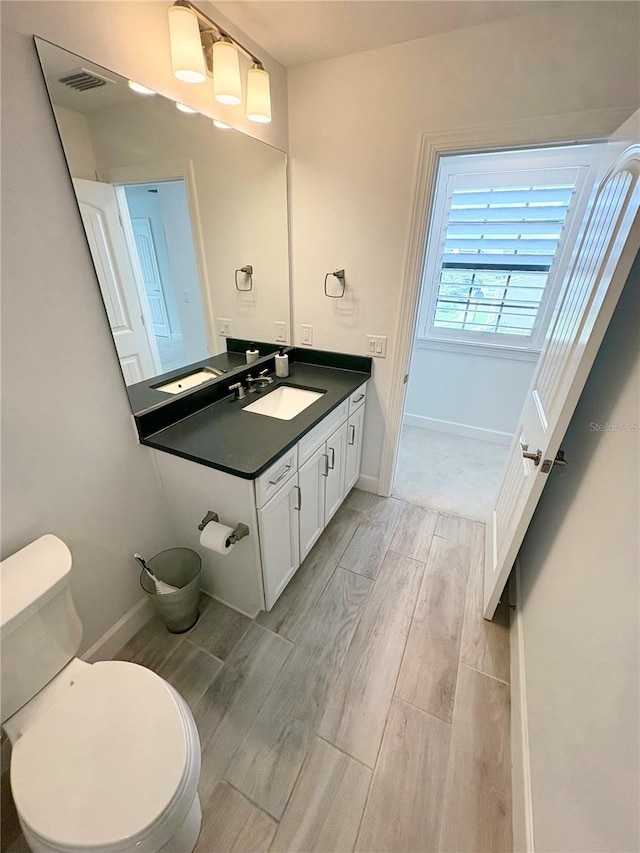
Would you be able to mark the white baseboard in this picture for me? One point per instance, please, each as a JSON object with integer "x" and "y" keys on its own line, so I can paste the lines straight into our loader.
{"x": 454, "y": 428}
{"x": 120, "y": 633}
{"x": 522, "y": 805}
{"x": 367, "y": 483}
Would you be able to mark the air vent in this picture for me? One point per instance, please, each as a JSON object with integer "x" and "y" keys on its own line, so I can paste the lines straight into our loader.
{"x": 83, "y": 80}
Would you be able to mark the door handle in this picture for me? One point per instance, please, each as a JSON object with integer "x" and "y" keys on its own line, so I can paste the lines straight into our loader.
{"x": 331, "y": 465}
{"x": 299, "y": 490}
{"x": 352, "y": 439}
{"x": 357, "y": 400}
{"x": 527, "y": 454}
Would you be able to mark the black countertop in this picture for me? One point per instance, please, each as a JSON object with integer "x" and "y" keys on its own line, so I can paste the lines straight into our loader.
{"x": 244, "y": 444}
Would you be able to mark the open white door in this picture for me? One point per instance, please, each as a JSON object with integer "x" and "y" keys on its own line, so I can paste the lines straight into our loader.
{"x": 101, "y": 219}
{"x": 606, "y": 249}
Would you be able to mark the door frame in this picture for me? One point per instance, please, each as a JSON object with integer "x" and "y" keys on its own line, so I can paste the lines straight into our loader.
{"x": 571, "y": 128}
{"x": 174, "y": 170}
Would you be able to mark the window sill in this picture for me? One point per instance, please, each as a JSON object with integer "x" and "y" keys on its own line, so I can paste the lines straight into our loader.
{"x": 487, "y": 350}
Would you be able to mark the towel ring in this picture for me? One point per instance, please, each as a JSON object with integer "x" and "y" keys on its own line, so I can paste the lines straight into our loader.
{"x": 339, "y": 274}
{"x": 248, "y": 271}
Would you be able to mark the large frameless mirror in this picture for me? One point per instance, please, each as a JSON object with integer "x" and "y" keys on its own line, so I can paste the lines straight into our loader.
{"x": 186, "y": 222}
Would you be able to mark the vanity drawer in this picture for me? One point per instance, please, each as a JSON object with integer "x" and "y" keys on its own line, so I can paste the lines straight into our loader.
{"x": 276, "y": 476}
{"x": 357, "y": 398}
{"x": 320, "y": 433}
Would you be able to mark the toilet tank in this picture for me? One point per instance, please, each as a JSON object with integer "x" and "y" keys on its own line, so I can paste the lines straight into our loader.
{"x": 39, "y": 625}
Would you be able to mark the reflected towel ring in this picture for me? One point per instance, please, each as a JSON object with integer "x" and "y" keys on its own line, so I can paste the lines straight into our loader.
{"x": 248, "y": 271}
{"x": 339, "y": 274}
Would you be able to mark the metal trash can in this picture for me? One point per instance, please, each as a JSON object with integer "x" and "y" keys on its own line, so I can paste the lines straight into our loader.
{"x": 179, "y": 567}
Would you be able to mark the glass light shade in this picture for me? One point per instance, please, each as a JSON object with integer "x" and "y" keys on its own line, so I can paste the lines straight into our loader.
{"x": 221, "y": 125}
{"x": 258, "y": 95}
{"x": 187, "y": 57}
{"x": 227, "y": 88}
{"x": 185, "y": 109}
{"x": 139, "y": 89}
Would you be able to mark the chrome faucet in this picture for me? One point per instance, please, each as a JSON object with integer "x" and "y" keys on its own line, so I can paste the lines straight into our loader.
{"x": 238, "y": 390}
{"x": 264, "y": 379}
{"x": 251, "y": 383}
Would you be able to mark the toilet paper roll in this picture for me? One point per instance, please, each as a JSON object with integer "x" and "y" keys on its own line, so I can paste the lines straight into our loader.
{"x": 215, "y": 537}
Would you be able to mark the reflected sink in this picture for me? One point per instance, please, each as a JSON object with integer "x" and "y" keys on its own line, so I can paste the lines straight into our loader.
{"x": 191, "y": 380}
{"x": 284, "y": 402}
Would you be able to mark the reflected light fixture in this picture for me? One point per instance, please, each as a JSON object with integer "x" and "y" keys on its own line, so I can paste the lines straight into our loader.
{"x": 199, "y": 45}
{"x": 185, "y": 109}
{"x": 139, "y": 89}
{"x": 221, "y": 125}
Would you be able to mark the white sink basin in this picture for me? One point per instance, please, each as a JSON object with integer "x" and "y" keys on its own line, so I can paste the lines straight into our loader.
{"x": 284, "y": 402}
{"x": 177, "y": 386}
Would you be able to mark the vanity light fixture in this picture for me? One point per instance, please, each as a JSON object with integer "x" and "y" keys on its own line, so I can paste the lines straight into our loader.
{"x": 185, "y": 109}
{"x": 221, "y": 125}
{"x": 199, "y": 45}
{"x": 139, "y": 89}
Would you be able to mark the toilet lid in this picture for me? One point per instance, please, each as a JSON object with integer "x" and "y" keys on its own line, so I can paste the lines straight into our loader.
{"x": 105, "y": 760}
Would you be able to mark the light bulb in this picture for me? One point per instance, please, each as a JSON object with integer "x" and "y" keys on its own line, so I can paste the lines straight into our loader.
{"x": 139, "y": 89}
{"x": 187, "y": 57}
{"x": 227, "y": 88}
{"x": 258, "y": 95}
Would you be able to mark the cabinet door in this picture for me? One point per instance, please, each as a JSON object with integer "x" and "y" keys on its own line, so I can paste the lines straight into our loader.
{"x": 355, "y": 426}
{"x": 279, "y": 544}
{"x": 335, "y": 480}
{"x": 311, "y": 479}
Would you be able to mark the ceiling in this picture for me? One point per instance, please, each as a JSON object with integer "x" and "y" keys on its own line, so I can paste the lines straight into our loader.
{"x": 299, "y": 31}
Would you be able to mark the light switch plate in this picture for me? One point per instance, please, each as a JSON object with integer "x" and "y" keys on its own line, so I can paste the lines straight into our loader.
{"x": 281, "y": 333}
{"x": 377, "y": 346}
{"x": 307, "y": 336}
{"x": 224, "y": 327}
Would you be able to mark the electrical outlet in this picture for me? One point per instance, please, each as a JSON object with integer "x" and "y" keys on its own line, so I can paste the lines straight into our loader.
{"x": 377, "y": 345}
{"x": 307, "y": 336}
{"x": 281, "y": 333}
{"x": 224, "y": 327}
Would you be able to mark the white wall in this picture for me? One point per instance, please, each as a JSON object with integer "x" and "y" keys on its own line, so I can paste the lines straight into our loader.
{"x": 466, "y": 392}
{"x": 580, "y": 570}
{"x": 355, "y": 126}
{"x": 74, "y": 129}
{"x": 241, "y": 189}
{"x": 71, "y": 461}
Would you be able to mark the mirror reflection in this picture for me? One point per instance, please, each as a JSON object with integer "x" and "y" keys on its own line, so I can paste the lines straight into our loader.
{"x": 186, "y": 222}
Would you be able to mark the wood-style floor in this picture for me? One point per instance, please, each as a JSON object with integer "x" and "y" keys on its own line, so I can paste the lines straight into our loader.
{"x": 368, "y": 711}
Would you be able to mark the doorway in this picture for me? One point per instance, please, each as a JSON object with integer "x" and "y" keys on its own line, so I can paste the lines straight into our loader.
{"x": 163, "y": 245}
{"x": 502, "y": 230}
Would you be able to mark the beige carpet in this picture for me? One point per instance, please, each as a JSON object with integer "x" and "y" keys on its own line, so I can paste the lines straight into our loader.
{"x": 449, "y": 473}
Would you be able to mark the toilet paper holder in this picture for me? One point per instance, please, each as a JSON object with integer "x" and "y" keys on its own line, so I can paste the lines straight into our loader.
{"x": 241, "y": 530}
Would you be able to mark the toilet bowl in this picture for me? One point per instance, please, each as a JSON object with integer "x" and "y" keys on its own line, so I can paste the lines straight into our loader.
{"x": 105, "y": 756}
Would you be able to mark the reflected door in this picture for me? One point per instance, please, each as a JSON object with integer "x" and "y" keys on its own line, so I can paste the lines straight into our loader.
{"x": 101, "y": 218}
{"x": 151, "y": 275}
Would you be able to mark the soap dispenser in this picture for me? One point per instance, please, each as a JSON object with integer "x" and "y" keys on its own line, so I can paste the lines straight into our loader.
{"x": 282, "y": 364}
{"x": 252, "y": 354}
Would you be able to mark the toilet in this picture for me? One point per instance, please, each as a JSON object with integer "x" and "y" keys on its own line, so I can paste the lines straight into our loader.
{"x": 105, "y": 756}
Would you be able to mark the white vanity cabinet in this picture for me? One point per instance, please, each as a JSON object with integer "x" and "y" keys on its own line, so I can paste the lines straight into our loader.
{"x": 353, "y": 454}
{"x": 279, "y": 540}
{"x": 286, "y": 508}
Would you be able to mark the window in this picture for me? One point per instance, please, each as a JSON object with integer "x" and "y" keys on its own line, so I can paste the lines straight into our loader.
{"x": 501, "y": 234}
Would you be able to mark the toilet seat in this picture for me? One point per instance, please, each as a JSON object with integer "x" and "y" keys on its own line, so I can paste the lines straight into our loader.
{"x": 113, "y": 763}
